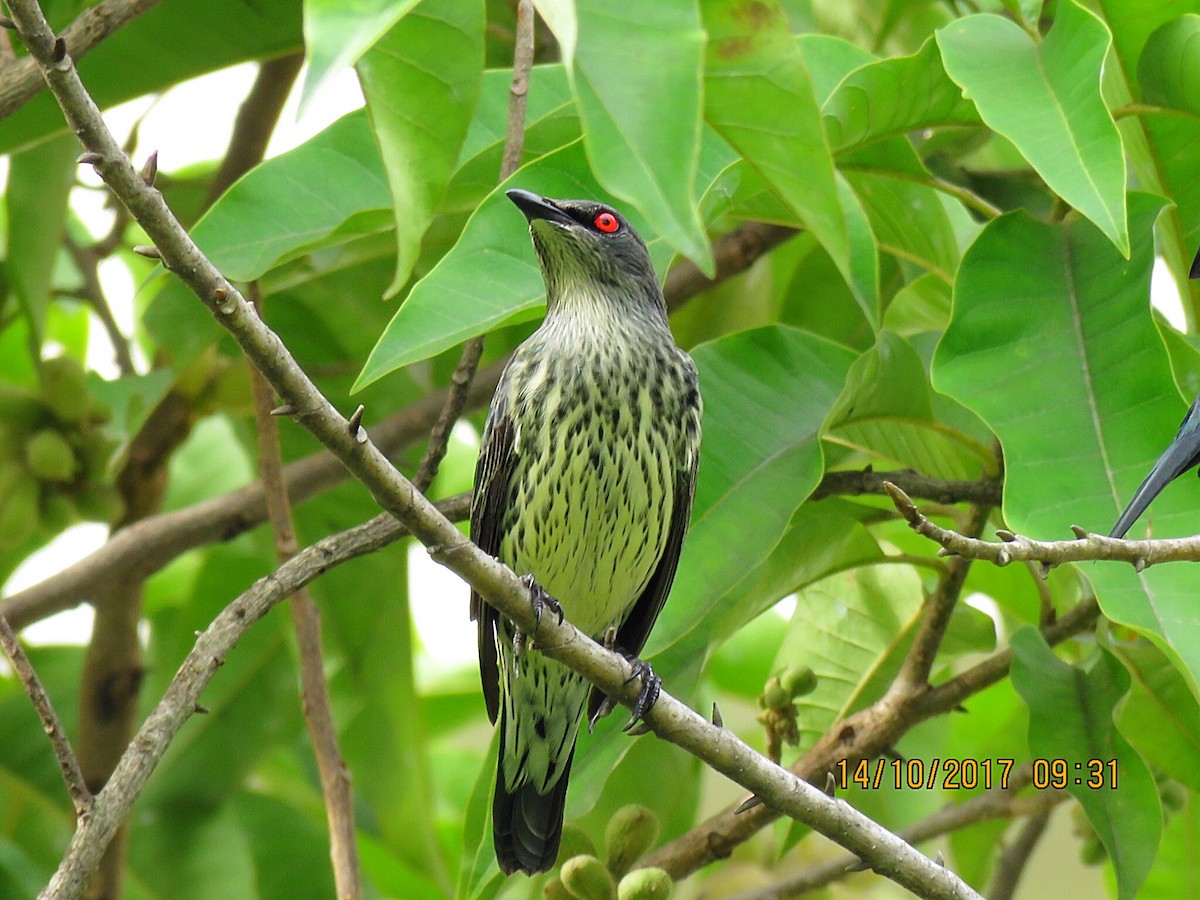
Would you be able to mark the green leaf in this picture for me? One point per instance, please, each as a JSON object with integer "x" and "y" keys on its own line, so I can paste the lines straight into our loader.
{"x": 337, "y": 34}
{"x": 39, "y": 181}
{"x": 1071, "y": 719}
{"x": 322, "y": 193}
{"x": 1177, "y": 867}
{"x": 287, "y": 848}
{"x": 849, "y": 629}
{"x": 1097, "y": 403}
{"x": 1045, "y": 98}
{"x": 432, "y": 59}
{"x": 1166, "y": 75}
{"x": 754, "y": 69}
{"x": 886, "y": 410}
{"x": 490, "y": 277}
{"x": 893, "y": 97}
{"x": 640, "y": 105}
{"x": 1162, "y": 717}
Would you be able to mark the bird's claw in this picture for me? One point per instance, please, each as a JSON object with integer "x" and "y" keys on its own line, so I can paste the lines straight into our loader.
{"x": 647, "y": 696}
{"x": 539, "y": 599}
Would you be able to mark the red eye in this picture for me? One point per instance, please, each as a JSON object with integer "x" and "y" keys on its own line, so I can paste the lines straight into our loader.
{"x": 607, "y": 222}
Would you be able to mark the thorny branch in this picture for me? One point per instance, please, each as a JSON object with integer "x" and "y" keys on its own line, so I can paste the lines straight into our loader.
{"x": 1016, "y": 547}
{"x": 561, "y": 641}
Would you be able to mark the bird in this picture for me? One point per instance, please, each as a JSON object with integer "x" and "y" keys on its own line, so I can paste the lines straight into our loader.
{"x": 1181, "y": 454}
{"x": 584, "y": 487}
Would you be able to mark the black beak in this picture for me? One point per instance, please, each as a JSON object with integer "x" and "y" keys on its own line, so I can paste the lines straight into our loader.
{"x": 535, "y": 207}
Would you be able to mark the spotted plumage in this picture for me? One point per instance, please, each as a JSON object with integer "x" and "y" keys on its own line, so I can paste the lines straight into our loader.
{"x": 585, "y": 482}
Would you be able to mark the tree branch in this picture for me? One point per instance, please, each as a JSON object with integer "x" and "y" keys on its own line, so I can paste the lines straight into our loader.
{"x": 1016, "y": 855}
{"x": 306, "y": 624}
{"x": 20, "y": 79}
{"x": 988, "y": 491}
{"x": 502, "y": 589}
{"x": 1086, "y": 546}
{"x": 81, "y": 797}
{"x": 255, "y": 122}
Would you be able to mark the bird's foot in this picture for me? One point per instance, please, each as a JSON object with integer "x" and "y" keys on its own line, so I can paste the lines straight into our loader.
{"x": 647, "y": 696}
{"x": 539, "y": 599}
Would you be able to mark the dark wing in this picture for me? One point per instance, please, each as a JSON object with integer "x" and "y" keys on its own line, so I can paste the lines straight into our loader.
{"x": 1181, "y": 455}
{"x": 488, "y": 506}
{"x": 632, "y": 635}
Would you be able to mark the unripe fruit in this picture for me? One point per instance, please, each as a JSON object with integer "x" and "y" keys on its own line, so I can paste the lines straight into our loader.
{"x": 554, "y": 890}
{"x": 64, "y": 388}
{"x": 50, "y": 457}
{"x": 587, "y": 879}
{"x": 645, "y": 884}
{"x": 774, "y": 695}
{"x": 631, "y": 831}
{"x": 798, "y": 681}
{"x": 57, "y": 511}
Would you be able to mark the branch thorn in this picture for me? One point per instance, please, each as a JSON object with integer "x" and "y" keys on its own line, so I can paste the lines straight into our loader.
{"x": 748, "y": 804}
{"x": 148, "y": 251}
{"x": 91, "y": 158}
{"x": 1079, "y": 532}
{"x": 1005, "y": 535}
{"x": 354, "y": 426}
{"x": 1139, "y": 563}
{"x": 717, "y": 718}
{"x": 286, "y": 410}
{"x": 59, "y": 51}
{"x": 150, "y": 169}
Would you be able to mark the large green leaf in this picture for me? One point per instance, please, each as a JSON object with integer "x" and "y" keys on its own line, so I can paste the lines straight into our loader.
{"x": 431, "y": 59}
{"x": 894, "y": 96}
{"x": 325, "y": 191}
{"x": 1081, "y": 397}
{"x": 1176, "y": 869}
{"x": 1167, "y": 78}
{"x": 1162, "y": 717}
{"x": 640, "y": 101}
{"x": 490, "y": 277}
{"x": 754, "y": 69}
{"x": 1071, "y": 719}
{"x": 337, "y": 34}
{"x": 1045, "y": 98}
{"x": 849, "y": 629}
{"x": 886, "y": 409}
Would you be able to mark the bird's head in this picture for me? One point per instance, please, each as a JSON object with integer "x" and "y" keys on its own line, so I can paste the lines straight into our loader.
{"x": 587, "y": 248}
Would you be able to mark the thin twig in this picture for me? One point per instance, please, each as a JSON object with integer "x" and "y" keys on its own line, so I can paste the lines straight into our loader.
{"x": 91, "y": 292}
{"x": 1016, "y": 855}
{"x": 514, "y": 145}
{"x": 255, "y": 122}
{"x": 1013, "y": 547}
{"x": 913, "y": 677}
{"x": 81, "y": 797}
{"x": 306, "y": 623}
{"x": 987, "y": 491}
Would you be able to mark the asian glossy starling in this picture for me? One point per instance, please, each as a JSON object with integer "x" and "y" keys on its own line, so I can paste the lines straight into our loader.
{"x": 1182, "y": 454}
{"x": 584, "y": 483}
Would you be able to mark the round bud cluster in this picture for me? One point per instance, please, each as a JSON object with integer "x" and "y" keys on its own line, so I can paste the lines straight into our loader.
{"x": 53, "y": 456}
{"x": 630, "y": 833}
